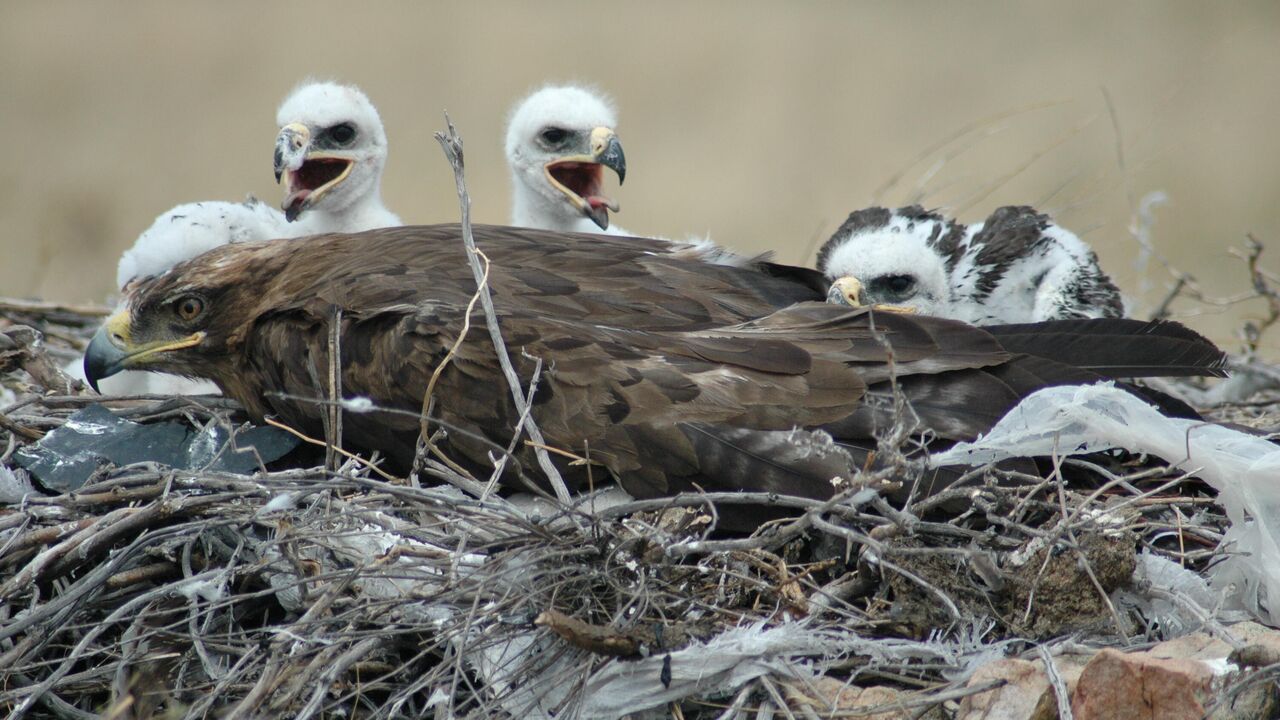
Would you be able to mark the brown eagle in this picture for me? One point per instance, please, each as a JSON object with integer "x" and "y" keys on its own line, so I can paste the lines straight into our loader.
{"x": 669, "y": 372}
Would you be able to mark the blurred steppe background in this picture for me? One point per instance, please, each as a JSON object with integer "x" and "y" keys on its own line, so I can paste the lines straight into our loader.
{"x": 763, "y": 124}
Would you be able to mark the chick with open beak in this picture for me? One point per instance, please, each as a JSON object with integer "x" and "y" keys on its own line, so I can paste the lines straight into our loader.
{"x": 329, "y": 155}
{"x": 581, "y": 176}
{"x": 559, "y": 141}
{"x": 310, "y": 170}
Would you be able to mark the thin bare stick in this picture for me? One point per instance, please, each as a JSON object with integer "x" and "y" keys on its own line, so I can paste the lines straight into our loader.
{"x": 425, "y": 436}
{"x": 1061, "y": 696}
{"x": 307, "y": 439}
{"x": 1161, "y": 311}
{"x": 1263, "y": 287}
{"x": 451, "y": 143}
{"x": 501, "y": 463}
{"x": 335, "y": 391}
{"x": 424, "y": 420}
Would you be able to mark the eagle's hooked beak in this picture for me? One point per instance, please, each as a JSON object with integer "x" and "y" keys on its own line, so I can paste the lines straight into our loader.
{"x": 112, "y": 349}
{"x": 579, "y": 177}
{"x": 308, "y": 174}
{"x": 846, "y": 291}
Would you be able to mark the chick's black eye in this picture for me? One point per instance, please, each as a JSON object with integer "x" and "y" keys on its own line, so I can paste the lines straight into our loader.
{"x": 554, "y": 135}
{"x": 343, "y": 134}
{"x": 899, "y": 283}
{"x": 189, "y": 308}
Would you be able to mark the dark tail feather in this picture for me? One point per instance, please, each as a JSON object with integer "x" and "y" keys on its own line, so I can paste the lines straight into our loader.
{"x": 1117, "y": 347}
{"x": 808, "y": 279}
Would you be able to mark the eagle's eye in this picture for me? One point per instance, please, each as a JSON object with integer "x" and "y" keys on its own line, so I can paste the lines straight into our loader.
{"x": 553, "y": 135}
{"x": 189, "y": 308}
{"x": 343, "y": 134}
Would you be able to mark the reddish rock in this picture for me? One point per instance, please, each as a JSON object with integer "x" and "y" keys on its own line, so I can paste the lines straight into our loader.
{"x": 1026, "y": 695}
{"x": 1176, "y": 679}
{"x": 1140, "y": 686}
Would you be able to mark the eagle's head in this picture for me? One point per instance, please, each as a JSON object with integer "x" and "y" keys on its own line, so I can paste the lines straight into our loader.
{"x": 330, "y": 150}
{"x": 187, "y": 321}
{"x": 887, "y": 259}
{"x": 559, "y": 140}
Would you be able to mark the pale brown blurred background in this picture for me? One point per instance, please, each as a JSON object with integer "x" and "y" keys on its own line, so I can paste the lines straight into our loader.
{"x": 763, "y": 124}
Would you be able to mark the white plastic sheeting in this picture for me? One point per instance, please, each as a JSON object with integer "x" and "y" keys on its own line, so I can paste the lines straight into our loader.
{"x": 1243, "y": 468}
{"x": 723, "y": 664}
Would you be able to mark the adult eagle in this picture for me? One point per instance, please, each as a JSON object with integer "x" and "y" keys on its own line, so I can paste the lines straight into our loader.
{"x": 671, "y": 373}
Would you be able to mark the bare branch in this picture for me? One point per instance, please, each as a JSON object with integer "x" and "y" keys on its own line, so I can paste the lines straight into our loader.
{"x": 451, "y": 142}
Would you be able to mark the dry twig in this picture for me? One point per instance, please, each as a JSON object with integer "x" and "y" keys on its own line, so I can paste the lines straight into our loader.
{"x": 451, "y": 142}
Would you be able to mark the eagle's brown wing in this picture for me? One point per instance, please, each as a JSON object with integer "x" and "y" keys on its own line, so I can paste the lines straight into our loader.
{"x": 737, "y": 407}
{"x": 625, "y": 397}
{"x": 669, "y": 373}
{"x": 625, "y": 282}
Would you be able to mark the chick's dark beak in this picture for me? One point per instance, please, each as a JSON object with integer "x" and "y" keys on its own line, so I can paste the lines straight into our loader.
{"x": 277, "y": 159}
{"x": 607, "y": 150}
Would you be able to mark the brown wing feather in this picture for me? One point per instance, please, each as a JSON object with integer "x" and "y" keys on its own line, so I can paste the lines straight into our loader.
{"x": 671, "y": 373}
